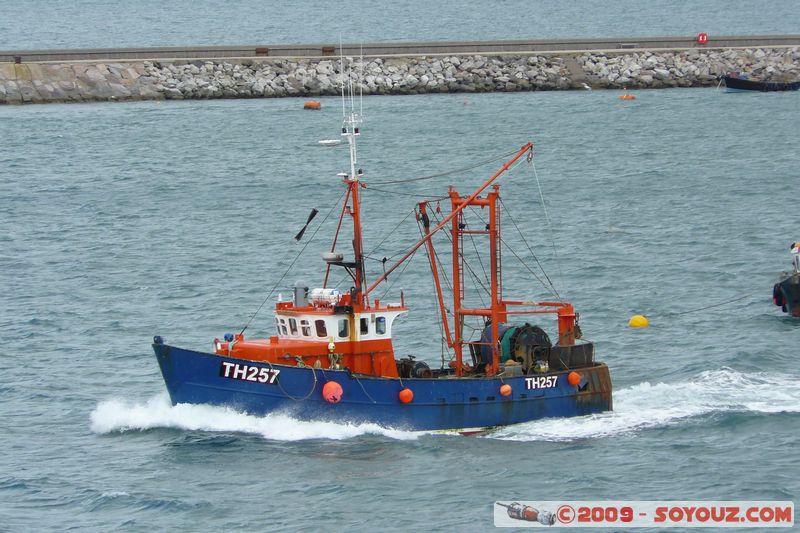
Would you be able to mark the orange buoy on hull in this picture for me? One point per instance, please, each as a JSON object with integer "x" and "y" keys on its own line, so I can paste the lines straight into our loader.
{"x": 312, "y": 104}
{"x": 332, "y": 392}
{"x": 406, "y": 395}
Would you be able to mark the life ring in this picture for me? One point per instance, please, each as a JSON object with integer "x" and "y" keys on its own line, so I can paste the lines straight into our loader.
{"x": 702, "y": 38}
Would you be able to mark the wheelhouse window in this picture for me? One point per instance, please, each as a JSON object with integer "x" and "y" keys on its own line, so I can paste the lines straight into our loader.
{"x": 321, "y": 330}
{"x": 380, "y": 325}
{"x": 344, "y": 329}
{"x": 305, "y": 328}
{"x": 283, "y": 330}
{"x": 364, "y": 326}
{"x": 293, "y": 326}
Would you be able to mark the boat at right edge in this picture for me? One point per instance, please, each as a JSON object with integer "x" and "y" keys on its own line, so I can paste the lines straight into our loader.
{"x": 786, "y": 293}
{"x": 737, "y": 82}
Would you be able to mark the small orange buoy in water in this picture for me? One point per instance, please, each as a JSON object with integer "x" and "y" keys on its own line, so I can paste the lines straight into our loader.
{"x": 406, "y": 396}
{"x": 574, "y": 379}
{"x": 505, "y": 389}
{"x": 312, "y": 104}
{"x": 332, "y": 392}
{"x": 625, "y": 95}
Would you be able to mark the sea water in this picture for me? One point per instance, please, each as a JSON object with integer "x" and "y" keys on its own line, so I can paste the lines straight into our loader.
{"x": 122, "y": 221}
{"x": 43, "y": 24}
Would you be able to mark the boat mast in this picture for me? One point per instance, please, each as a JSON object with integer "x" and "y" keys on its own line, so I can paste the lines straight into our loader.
{"x": 350, "y": 130}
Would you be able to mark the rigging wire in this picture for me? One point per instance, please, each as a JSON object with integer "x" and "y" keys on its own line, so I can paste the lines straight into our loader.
{"x": 476, "y": 165}
{"x": 533, "y": 273}
{"x": 449, "y": 172}
{"x": 443, "y": 271}
{"x": 293, "y": 261}
{"x": 472, "y": 273}
{"x": 550, "y": 285}
{"x": 481, "y": 163}
{"x": 549, "y": 225}
{"x": 400, "y": 193}
{"x": 390, "y": 285}
{"x": 440, "y": 265}
{"x": 396, "y": 226}
{"x": 547, "y": 286}
{"x": 477, "y": 253}
{"x": 530, "y": 249}
{"x": 701, "y": 308}
{"x": 433, "y": 283}
{"x": 367, "y": 256}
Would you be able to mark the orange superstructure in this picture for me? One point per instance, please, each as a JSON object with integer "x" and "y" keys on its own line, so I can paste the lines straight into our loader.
{"x": 325, "y": 334}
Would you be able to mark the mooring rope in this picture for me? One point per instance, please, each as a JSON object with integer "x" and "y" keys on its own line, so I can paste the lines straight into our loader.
{"x": 280, "y": 386}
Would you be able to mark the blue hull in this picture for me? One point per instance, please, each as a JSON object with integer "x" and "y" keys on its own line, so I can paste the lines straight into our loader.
{"x": 438, "y": 404}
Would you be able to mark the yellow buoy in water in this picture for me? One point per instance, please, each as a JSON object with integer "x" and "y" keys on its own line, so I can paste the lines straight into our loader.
{"x": 638, "y": 321}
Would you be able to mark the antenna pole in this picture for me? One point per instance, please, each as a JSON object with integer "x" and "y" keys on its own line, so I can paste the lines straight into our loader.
{"x": 350, "y": 129}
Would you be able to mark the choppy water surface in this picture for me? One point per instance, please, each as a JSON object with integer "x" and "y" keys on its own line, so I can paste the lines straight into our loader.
{"x": 36, "y": 24}
{"x": 122, "y": 221}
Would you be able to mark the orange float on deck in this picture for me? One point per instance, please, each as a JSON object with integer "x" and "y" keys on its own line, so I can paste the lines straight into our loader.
{"x": 312, "y": 104}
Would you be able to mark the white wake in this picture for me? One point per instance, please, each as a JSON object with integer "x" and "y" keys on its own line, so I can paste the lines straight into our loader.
{"x": 119, "y": 415}
{"x": 663, "y": 404}
{"x": 638, "y": 407}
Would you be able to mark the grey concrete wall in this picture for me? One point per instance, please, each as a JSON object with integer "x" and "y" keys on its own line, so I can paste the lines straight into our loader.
{"x": 401, "y": 49}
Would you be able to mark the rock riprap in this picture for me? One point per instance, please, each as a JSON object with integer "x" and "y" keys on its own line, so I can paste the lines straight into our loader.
{"x": 257, "y": 78}
{"x": 688, "y": 68}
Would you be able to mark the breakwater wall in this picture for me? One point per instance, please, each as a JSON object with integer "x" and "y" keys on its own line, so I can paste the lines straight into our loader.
{"x": 313, "y": 76}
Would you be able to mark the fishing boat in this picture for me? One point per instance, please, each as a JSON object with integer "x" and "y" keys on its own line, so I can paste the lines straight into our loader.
{"x": 735, "y": 82}
{"x": 786, "y": 293}
{"x": 332, "y": 356}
